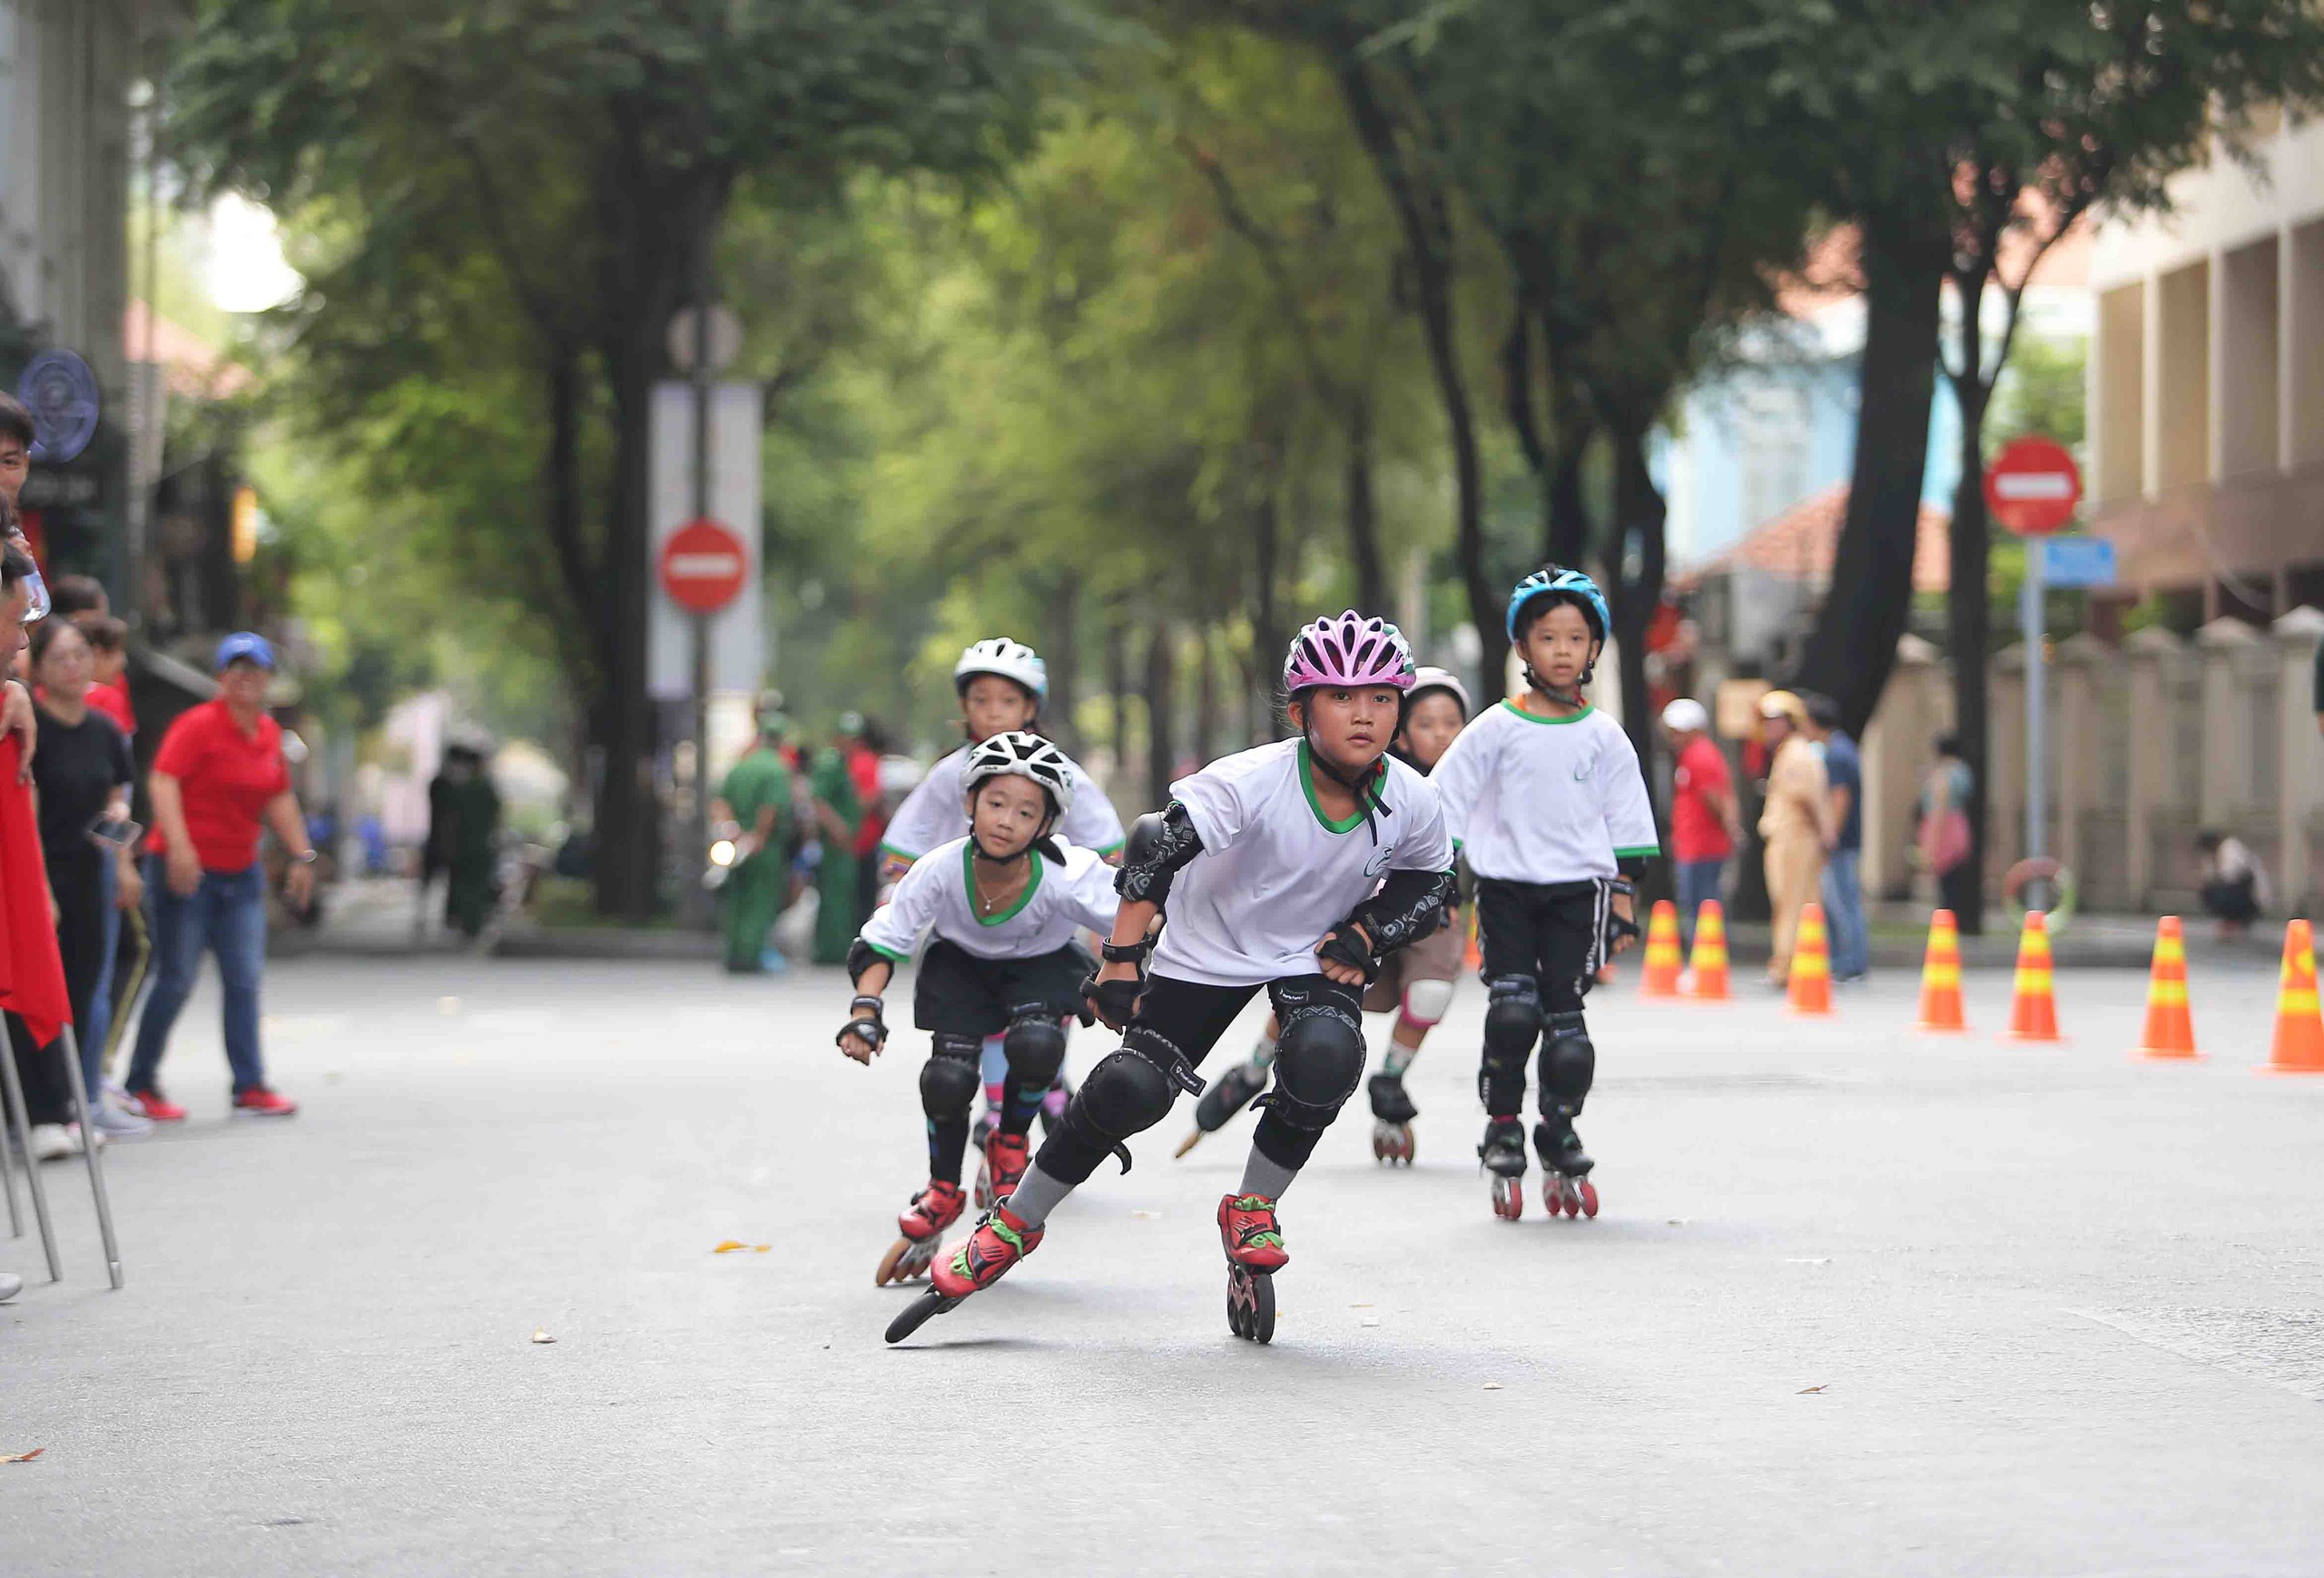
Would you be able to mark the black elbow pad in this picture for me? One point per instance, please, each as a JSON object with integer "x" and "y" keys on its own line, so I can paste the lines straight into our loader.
{"x": 1158, "y": 844}
{"x": 1409, "y": 906}
{"x": 862, "y": 956}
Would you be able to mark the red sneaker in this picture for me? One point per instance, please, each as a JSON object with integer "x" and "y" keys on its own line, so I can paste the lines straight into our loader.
{"x": 1006, "y": 1157}
{"x": 985, "y": 1255}
{"x": 151, "y": 1103}
{"x": 1247, "y": 1228}
{"x": 266, "y": 1103}
{"x": 933, "y": 1209}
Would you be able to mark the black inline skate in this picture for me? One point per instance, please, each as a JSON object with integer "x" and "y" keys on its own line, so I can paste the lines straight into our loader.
{"x": 1391, "y": 1119}
{"x": 1502, "y": 1154}
{"x": 1565, "y": 1182}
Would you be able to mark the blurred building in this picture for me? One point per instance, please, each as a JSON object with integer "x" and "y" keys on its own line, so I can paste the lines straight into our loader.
{"x": 2206, "y": 382}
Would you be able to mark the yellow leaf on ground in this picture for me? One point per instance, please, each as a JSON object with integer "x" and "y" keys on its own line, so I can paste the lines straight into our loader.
{"x": 734, "y": 1245}
{"x": 23, "y": 1456}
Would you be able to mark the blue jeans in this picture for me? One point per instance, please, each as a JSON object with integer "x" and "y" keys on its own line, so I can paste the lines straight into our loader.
{"x": 1844, "y": 912}
{"x": 96, "y": 1019}
{"x": 226, "y": 916}
{"x": 1698, "y": 880}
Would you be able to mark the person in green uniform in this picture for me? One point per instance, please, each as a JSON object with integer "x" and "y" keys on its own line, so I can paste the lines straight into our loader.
{"x": 839, "y": 813}
{"x": 463, "y": 820}
{"x": 754, "y": 808}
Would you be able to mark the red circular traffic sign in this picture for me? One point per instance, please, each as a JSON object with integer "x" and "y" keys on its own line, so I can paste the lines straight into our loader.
{"x": 703, "y": 565}
{"x": 2032, "y": 487}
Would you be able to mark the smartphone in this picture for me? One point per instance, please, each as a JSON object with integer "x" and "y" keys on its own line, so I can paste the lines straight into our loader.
{"x": 114, "y": 832}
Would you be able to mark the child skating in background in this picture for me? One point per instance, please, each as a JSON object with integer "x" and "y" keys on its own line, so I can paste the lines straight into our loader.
{"x": 1544, "y": 796}
{"x": 1004, "y": 905}
{"x": 1002, "y": 685}
{"x": 1295, "y": 868}
{"x": 1416, "y": 985}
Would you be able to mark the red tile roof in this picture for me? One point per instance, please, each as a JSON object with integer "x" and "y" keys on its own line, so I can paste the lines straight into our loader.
{"x": 1800, "y": 543}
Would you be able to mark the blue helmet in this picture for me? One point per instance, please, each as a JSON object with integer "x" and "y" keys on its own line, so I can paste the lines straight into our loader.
{"x": 1572, "y": 582}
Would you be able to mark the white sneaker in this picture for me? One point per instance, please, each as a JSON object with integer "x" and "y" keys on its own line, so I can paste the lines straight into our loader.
{"x": 73, "y": 1136}
{"x": 10, "y": 1286}
{"x": 53, "y": 1142}
{"x": 113, "y": 1122}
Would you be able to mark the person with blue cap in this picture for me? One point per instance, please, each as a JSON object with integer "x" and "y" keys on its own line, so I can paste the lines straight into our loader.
{"x": 219, "y": 780}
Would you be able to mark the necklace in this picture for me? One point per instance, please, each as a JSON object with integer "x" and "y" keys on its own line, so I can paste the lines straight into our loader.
{"x": 986, "y": 904}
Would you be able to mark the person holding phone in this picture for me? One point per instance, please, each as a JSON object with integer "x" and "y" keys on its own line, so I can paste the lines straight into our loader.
{"x": 219, "y": 781}
{"x": 82, "y": 779}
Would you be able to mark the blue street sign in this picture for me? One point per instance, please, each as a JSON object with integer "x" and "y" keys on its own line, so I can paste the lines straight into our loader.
{"x": 2076, "y": 561}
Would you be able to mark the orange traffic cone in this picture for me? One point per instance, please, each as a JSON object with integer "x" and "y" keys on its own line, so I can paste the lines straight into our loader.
{"x": 1941, "y": 976}
{"x": 1709, "y": 960}
{"x": 1472, "y": 957}
{"x": 1660, "y": 977}
{"x": 2170, "y": 1030}
{"x": 1811, "y": 964}
{"x": 2299, "y": 1034}
{"x": 2034, "y": 1004}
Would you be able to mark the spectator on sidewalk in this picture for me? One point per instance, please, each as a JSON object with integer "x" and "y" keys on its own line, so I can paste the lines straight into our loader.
{"x": 860, "y": 742}
{"x": 755, "y": 808}
{"x": 1705, "y": 825}
{"x": 219, "y": 781}
{"x": 1941, "y": 830}
{"x": 83, "y": 774}
{"x": 463, "y": 833}
{"x": 1795, "y": 821}
{"x": 39, "y": 1069}
{"x": 109, "y": 646}
{"x": 2234, "y": 890}
{"x": 1844, "y": 857}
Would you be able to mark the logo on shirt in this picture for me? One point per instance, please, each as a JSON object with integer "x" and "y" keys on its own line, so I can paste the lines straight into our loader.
{"x": 1378, "y": 865}
{"x": 1581, "y": 773}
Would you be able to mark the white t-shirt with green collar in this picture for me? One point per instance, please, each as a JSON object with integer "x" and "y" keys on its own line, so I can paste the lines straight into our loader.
{"x": 940, "y": 892}
{"x": 1533, "y": 799}
{"x": 1274, "y": 874}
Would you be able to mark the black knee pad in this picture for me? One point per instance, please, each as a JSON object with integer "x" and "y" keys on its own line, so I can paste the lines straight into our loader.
{"x": 1128, "y": 1092}
{"x": 1513, "y": 1021}
{"x": 1034, "y": 1044}
{"x": 1569, "y": 1063}
{"x": 1318, "y": 1063}
{"x": 949, "y": 1082}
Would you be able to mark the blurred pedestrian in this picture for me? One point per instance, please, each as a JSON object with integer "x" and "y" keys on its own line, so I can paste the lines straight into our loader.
{"x": 85, "y": 774}
{"x": 463, "y": 823}
{"x": 838, "y": 818}
{"x": 754, "y": 810}
{"x": 219, "y": 781}
{"x": 1844, "y": 857}
{"x": 1705, "y": 821}
{"x": 1943, "y": 826}
{"x": 1794, "y": 821}
{"x": 109, "y": 648}
{"x": 40, "y": 1069}
{"x": 17, "y": 438}
{"x": 2234, "y": 890}
{"x": 861, "y": 743}
{"x": 72, "y": 597}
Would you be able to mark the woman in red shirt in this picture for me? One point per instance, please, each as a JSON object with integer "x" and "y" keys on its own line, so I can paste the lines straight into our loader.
{"x": 218, "y": 780}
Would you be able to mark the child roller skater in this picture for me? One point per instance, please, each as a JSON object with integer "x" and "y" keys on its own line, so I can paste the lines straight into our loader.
{"x": 1295, "y": 868}
{"x": 1004, "y": 903}
{"x": 1002, "y": 685}
{"x": 1416, "y": 985}
{"x": 1544, "y": 796}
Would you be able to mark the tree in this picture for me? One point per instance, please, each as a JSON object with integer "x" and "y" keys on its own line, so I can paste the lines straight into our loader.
{"x": 592, "y": 182}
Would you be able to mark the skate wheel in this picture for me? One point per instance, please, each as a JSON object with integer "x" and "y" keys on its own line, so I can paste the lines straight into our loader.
{"x": 1409, "y": 1148}
{"x": 1250, "y": 1304}
{"x": 906, "y": 1260}
{"x": 1508, "y": 1199}
{"x": 1589, "y": 1199}
{"x": 917, "y": 1314}
{"x": 984, "y": 1188}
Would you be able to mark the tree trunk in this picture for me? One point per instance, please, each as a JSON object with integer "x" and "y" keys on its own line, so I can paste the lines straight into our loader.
{"x": 1968, "y": 616}
{"x": 1362, "y": 521}
{"x": 1065, "y": 666}
{"x": 1640, "y": 513}
{"x": 1853, "y": 647}
{"x": 1426, "y": 223}
{"x": 1160, "y": 752}
{"x": 1205, "y": 730}
{"x": 1268, "y": 639}
{"x": 1118, "y": 691}
{"x": 629, "y": 821}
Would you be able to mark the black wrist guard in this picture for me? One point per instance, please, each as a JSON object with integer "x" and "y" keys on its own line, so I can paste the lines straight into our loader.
{"x": 1114, "y": 1002}
{"x": 1617, "y": 927}
{"x": 1343, "y": 947}
{"x": 1134, "y": 953}
{"x": 873, "y": 1030}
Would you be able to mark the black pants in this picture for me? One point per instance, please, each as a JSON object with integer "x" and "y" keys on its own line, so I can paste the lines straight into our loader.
{"x": 80, "y": 888}
{"x": 2236, "y": 900}
{"x": 48, "y": 1099}
{"x": 961, "y": 998}
{"x": 1192, "y": 1016}
{"x": 1549, "y": 932}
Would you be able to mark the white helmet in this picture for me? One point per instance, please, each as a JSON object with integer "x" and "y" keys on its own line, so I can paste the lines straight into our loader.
{"x": 1009, "y": 659}
{"x": 1443, "y": 679}
{"x": 1686, "y": 716}
{"x": 1023, "y": 756}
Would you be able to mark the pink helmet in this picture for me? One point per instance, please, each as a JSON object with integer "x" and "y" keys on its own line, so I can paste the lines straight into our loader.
{"x": 1348, "y": 651}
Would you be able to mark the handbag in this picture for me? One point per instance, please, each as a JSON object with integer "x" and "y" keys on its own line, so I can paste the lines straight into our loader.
{"x": 1944, "y": 840}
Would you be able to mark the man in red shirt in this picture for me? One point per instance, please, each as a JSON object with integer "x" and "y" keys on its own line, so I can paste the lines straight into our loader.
{"x": 1704, "y": 823}
{"x": 861, "y": 755}
{"x": 218, "y": 782}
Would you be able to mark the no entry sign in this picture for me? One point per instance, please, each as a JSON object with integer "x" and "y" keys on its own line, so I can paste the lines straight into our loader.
{"x": 703, "y": 565}
{"x": 2032, "y": 487}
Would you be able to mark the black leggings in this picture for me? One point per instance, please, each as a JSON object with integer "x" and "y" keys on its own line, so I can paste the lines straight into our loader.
{"x": 1191, "y": 1015}
{"x": 1548, "y": 930}
{"x": 962, "y": 997}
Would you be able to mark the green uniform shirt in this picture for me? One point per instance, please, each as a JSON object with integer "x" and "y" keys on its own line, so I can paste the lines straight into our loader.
{"x": 757, "y": 782}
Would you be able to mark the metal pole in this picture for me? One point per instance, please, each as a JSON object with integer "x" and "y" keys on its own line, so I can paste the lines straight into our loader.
{"x": 19, "y": 1118}
{"x": 89, "y": 1150}
{"x": 697, "y": 897}
{"x": 2031, "y": 605}
{"x": 8, "y": 1183}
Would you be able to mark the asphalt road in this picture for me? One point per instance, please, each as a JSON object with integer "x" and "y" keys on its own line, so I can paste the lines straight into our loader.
{"x": 1860, "y": 1302}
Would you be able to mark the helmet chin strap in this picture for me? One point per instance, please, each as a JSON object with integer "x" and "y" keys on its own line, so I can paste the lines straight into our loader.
{"x": 1359, "y": 785}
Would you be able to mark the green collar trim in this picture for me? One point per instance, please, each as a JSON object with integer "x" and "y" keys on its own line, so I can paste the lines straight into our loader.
{"x": 1307, "y": 788}
{"x": 1587, "y": 709}
{"x": 969, "y": 880}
